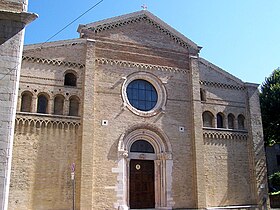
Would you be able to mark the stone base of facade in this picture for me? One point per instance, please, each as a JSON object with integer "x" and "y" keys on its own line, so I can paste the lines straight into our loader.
{"x": 248, "y": 207}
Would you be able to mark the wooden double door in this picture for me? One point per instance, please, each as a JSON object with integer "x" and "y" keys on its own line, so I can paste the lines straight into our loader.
{"x": 142, "y": 184}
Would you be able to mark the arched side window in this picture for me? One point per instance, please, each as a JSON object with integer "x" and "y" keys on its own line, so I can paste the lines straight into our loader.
{"x": 58, "y": 105}
{"x": 74, "y": 106}
{"x": 241, "y": 122}
{"x": 42, "y": 104}
{"x": 208, "y": 118}
{"x": 230, "y": 121}
{"x": 220, "y": 120}
{"x": 142, "y": 146}
{"x": 70, "y": 79}
{"x": 26, "y": 102}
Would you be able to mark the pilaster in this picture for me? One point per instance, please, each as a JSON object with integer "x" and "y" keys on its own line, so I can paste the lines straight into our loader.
{"x": 197, "y": 135}
{"x": 87, "y": 118}
{"x": 256, "y": 147}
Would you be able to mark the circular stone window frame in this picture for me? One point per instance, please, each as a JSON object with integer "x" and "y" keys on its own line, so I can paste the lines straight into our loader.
{"x": 159, "y": 87}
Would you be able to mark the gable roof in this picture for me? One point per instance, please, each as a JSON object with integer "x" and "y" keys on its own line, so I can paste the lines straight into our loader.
{"x": 134, "y": 17}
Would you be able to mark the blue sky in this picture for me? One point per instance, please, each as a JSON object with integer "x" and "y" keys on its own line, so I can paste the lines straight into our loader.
{"x": 240, "y": 36}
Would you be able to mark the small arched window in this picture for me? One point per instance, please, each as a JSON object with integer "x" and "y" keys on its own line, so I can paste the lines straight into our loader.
{"x": 74, "y": 106}
{"x": 241, "y": 122}
{"x": 207, "y": 119}
{"x": 220, "y": 120}
{"x": 58, "y": 105}
{"x": 70, "y": 79}
{"x": 231, "y": 121}
{"x": 42, "y": 104}
{"x": 26, "y": 102}
{"x": 142, "y": 146}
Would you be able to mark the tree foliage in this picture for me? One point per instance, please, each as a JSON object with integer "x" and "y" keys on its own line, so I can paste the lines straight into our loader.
{"x": 270, "y": 107}
{"x": 274, "y": 180}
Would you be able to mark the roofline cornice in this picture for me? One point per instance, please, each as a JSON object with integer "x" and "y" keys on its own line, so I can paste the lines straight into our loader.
{"x": 55, "y": 44}
{"x": 221, "y": 71}
{"x": 143, "y": 15}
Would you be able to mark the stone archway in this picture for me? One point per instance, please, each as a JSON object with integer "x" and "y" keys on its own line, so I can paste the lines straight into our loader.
{"x": 163, "y": 164}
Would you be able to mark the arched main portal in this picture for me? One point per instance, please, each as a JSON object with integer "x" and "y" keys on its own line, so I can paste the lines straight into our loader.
{"x": 147, "y": 147}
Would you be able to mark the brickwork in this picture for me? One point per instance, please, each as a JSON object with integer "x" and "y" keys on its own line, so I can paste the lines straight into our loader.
{"x": 41, "y": 165}
{"x": 196, "y": 166}
{"x": 257, "y": 152}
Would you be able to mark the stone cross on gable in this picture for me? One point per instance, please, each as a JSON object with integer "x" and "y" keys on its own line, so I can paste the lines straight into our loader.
{"x": 144, "y": 7}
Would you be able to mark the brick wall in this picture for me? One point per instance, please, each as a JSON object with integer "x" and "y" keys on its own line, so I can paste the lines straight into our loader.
{"x": 208, "y": 167}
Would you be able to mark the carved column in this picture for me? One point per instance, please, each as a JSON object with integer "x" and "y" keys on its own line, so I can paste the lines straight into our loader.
{"x": 168, "y": 178}
{"x": 158, "y": 180}
{"x": 66, "y": 107}
{"x": 34, "y": 104}
{"x": 123, "y": 180}
{"x": 50, "y": 107}
{"x": 235, "y": 123}
{"x": 225, "y": 121}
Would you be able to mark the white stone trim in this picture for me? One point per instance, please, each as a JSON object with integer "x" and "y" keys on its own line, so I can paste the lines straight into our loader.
{"x": 163, "y": 166}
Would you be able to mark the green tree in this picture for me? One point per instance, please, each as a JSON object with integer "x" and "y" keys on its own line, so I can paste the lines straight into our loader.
{"x": 274, "y": 180}
{"x": 270, "y": 107}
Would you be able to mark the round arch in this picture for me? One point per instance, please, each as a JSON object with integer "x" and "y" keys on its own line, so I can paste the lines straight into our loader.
{"x": 156, "y": 137}
{"x": 162, "y": 158}
{"x": 43, "y": 103}
{"x": 25, "y": 101}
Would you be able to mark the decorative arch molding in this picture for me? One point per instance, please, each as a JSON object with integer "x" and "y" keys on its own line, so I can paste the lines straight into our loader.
{"x": 155, "y": 136}
{"x": 225, "y": 135}
{"x": 162, "y": 159}
{"x": 22, "y": 120}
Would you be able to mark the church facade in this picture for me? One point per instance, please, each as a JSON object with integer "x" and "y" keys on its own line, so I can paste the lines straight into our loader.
{"x": 128, "y": 116}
